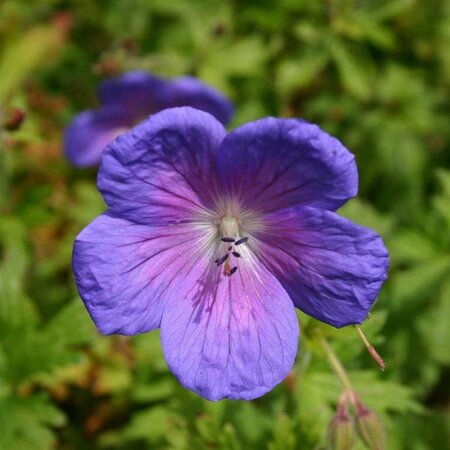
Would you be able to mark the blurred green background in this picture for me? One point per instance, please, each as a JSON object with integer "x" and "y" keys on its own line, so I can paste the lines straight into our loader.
{"x": 376, "y": 74}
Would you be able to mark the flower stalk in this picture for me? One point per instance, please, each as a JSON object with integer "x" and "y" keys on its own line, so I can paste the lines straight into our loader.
{"x": 368, "y": 424}
{"x": 337, "y": 367}
{"x": 3, "y": 164}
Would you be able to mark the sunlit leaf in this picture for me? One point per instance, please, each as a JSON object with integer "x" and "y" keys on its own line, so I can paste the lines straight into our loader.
{"x": 27, "y": 423}
{"x": 23, "y": 56}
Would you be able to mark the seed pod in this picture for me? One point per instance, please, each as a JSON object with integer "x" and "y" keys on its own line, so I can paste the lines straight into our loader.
{"x": 340, "y": 430}
{"x": 370, "y": 429}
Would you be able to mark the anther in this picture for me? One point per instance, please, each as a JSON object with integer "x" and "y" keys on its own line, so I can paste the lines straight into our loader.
{"x": 221, "y": 260}
{"x": 237, "y": 254}
{"x": 232, "y": 271}
{"x": 241, "y": 241}
{"x": 228, "y": 239}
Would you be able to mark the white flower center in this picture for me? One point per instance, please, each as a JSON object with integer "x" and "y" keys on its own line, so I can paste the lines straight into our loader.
{"x": 229, "y": 226}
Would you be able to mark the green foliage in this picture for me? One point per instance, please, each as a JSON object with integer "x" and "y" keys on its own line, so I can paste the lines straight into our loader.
{"x": 376, "y": 74}
{"x": 26, "y": 421}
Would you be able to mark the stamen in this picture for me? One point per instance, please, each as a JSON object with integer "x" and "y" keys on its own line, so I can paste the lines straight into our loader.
{"x": 228, "y": 226}
{"x": 221, "y": 260}
{"x": 228, "y": 239}
{"x": 241, "y": 241}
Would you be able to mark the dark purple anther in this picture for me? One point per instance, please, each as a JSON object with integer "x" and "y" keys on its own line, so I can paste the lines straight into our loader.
{"x": 237, "y": 254}
{"x": 241, "y": 241}
{"x": 232, "y": 270}
{"x": 221, "y": 260}
{"x": 228, "y": 239}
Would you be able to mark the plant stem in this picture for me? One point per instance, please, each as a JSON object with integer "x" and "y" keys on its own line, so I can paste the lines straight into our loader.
{"x": 337, "y": 366}
{"x": 3, "y": 171}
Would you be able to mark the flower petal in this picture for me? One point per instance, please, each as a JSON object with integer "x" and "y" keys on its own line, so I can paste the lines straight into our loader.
{"x": 332, "y": 268}
{"x": 142, "y": 94}
{"x": 189, "y": 91}
{"x": 275, "y": 163}
{"x": 138, "y": 92}
{"x": 162, "y": 171}
{"x": 91, "y": 131}
{"x": 124, "y": 271}
{"x": 233, "y": 337}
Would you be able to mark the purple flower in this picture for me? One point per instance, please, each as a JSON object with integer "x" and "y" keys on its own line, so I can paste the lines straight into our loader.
{"x": 215, "y": 237}
{"x": 128, "y": 99}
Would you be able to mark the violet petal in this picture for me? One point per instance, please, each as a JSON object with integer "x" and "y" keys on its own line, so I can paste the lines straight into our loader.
{"x": 230, "y": 337}
{"x": 189, "y": 91}
{"x": 275, "y": 163}
{"x": 332, "y": 268}
{"x": 162, "y": 170}
{"x": 126, "y": 272}
{"x": 138, "y": 92}
{"x": 91, "y": 131}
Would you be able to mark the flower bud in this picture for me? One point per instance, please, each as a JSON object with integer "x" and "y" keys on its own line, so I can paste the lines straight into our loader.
{"x": 13, "y": 119}
{"x": 340, "y": 431}
{"x": 370, "y": 428}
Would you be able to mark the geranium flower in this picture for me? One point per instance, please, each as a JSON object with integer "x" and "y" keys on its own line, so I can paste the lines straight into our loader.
{"x": 130, "y": 98}
{"x": 215, "y": 237}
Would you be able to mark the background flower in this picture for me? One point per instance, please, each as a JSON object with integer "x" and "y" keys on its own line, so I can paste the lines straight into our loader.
{"x": 130, "y": 98}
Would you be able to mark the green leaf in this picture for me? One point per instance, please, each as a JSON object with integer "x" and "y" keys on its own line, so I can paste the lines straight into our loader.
{"x": 441, "y": 201}
{"x": 411, "y": 247}
{"x": 384, "y": 395}
{"x": 26, "y": 423}
{"x": 153, "y": 391}
{"x": 244, "y": 58}
{"x": 228, "y": 438}
{"x": 208, "y": 428}
{"x": 317, "y": 390}
{"x": 284, "y": 436}
{"x": 24, "y": 55}
{"x": 434, "y": 325}
{"x": 297, "y": 72}
{"x": 421, "y": 281}
{"x": 353, "y": 70}
{"x": 252, "y": 422}
{"x": 150, "y": 425}
{"x": 393, "y": 8}
{"x": 39, "y": 350}
{"x": 17, "y": 313}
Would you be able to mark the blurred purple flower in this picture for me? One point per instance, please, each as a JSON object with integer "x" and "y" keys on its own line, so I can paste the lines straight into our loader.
{"x": 215, "y": 237}
{"x": 130, "y": 98}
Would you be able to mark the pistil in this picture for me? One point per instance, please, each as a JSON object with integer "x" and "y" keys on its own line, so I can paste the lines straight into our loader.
{"x": 229, "y": 228}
